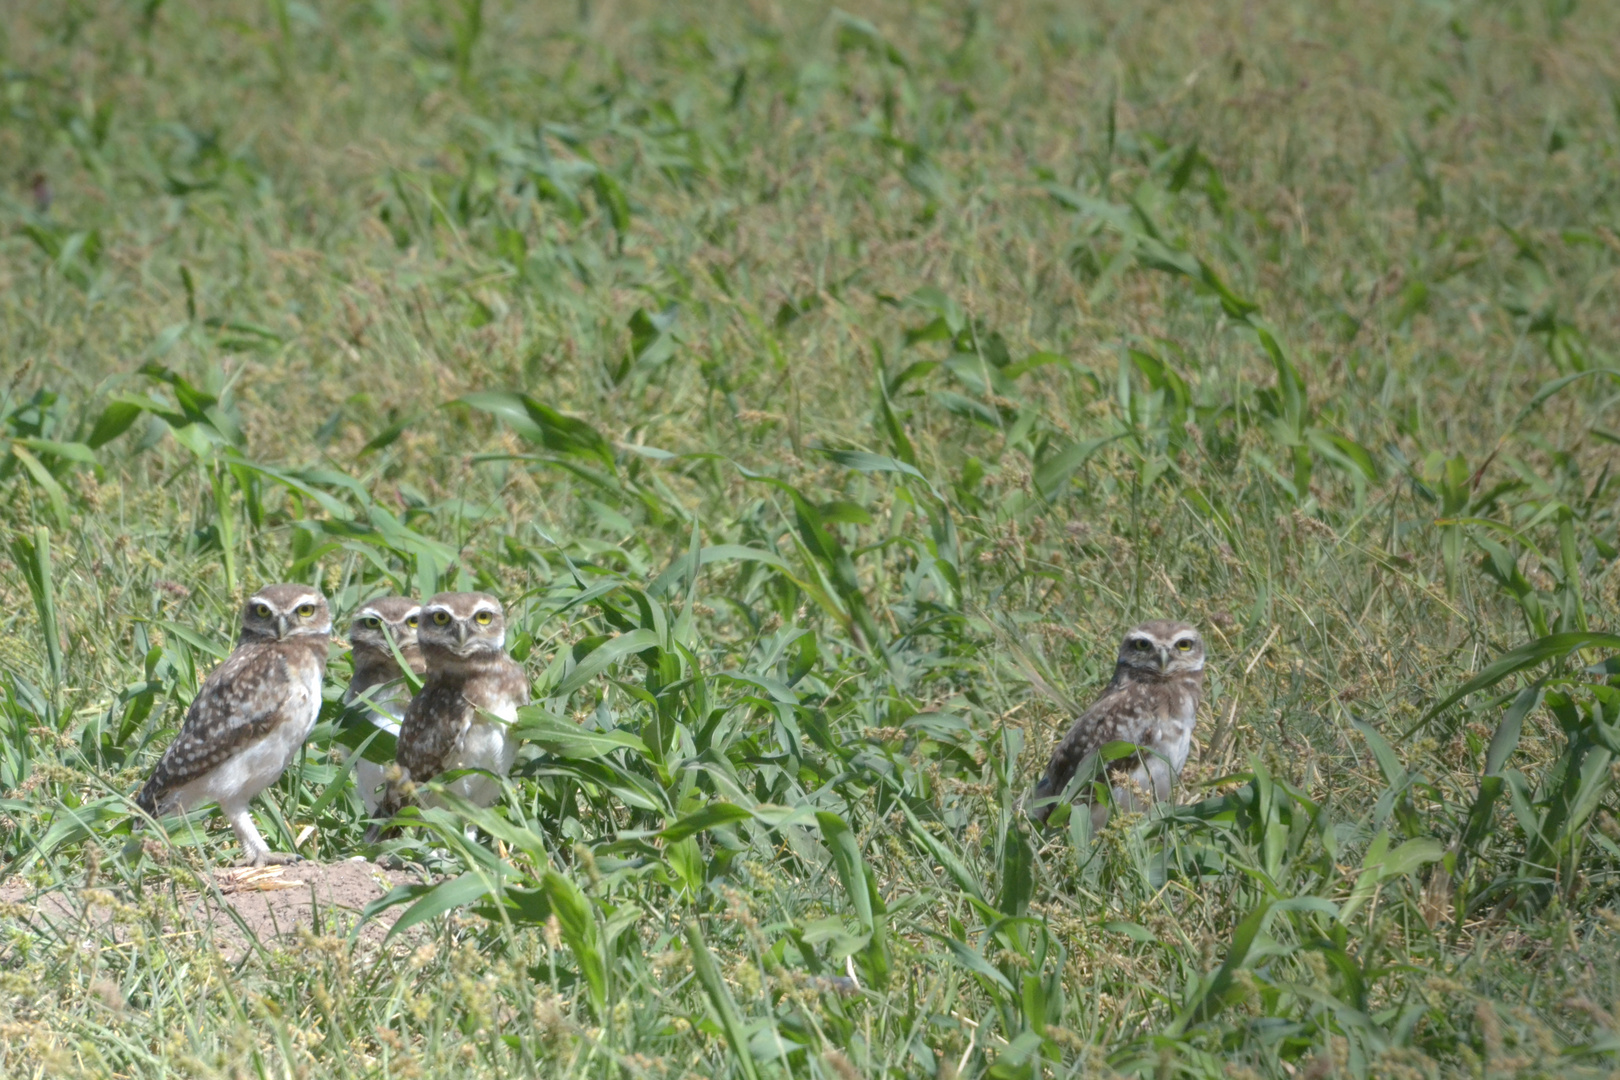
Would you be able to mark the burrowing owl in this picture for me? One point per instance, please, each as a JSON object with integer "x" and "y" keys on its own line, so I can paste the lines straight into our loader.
{"x": 249, "y": 717}
{"x": 380, "y": 627}
{"x": 1152, "y": 702}
{"x": 463, "y": 641}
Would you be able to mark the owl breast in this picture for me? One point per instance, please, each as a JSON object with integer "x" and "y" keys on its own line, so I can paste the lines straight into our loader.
{"x": 1172, "y": 735}
{"x": 256, "y": 765}
{"x": 487, "y": 743}
{"x": 484, "y": 746}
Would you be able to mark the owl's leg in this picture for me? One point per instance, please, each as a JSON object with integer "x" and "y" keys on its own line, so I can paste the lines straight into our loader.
{"x": 255, "y": 852}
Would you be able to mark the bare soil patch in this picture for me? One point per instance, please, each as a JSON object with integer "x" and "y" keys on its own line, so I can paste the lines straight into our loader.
{"x": 236, "y": 909}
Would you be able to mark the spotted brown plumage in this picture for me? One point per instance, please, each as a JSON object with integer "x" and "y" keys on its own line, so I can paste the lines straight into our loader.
{"x": 250, "y": 716}
{"x": 458, "y": 720}
{"x": 1151, "y": 703}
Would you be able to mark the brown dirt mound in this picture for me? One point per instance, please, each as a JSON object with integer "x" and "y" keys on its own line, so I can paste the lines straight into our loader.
{"x": 243, "y": 907}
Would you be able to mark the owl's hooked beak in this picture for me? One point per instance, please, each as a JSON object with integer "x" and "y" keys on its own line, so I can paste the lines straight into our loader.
{"x": 281, "y": 627}
{"x": 461, "y": 633}
{"x": 1164, "y": 658}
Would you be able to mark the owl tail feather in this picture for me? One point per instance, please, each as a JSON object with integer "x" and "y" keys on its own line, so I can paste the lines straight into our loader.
{"x": 146, "y": 799}
{"x": 1043, "y": 790}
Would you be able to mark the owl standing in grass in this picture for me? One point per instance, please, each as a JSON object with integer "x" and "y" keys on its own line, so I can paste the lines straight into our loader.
{"x": 384, "y": 632}
{"x": 250, "y": 717}
{"x": 1151, "y": 702}
{"x": 463, "y": 641}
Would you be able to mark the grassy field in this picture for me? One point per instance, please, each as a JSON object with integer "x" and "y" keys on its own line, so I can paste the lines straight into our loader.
{"x": 824, "y": 392}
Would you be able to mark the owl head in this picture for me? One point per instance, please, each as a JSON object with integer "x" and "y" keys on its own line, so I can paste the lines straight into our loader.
{"x": 1162, "y": 647}
{"x": 277, "y": 612}
{"x": 384, "y": 620}
{"x": 462, "y": 625}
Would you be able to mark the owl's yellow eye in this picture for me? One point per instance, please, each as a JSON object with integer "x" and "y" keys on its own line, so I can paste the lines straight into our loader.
{"x": 1141, "y": 643}
{"x": 483, "y": 618}
{"x": 1184, "y": 645}
{"x": 305, "y": 610}
{"x": 441, "y": 618}
{"x": 262, "y": 610}
{"x": 372, "y": 622}
{"x": 411, "y": 622}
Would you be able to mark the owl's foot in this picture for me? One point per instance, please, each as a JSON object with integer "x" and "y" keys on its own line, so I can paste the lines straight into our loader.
{"x": 272, "y": 858}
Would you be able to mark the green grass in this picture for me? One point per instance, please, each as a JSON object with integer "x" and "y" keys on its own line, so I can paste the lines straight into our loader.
{"x": 955, "y": 339}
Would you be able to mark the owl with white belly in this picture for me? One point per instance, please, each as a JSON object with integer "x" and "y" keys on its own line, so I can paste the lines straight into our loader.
{"x": 250, "y": 716}
{"x": 463, "y": 641}
{"x": 1152, "y": 704}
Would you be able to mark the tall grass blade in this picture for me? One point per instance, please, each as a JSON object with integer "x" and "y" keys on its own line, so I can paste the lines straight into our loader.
{"x": 33, "y": 555}
{"x": 720, "y": 999}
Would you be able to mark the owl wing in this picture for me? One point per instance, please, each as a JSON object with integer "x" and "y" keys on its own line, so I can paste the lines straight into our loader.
{"x": 242, "y": 701}
{"x": 1118, "y": 716}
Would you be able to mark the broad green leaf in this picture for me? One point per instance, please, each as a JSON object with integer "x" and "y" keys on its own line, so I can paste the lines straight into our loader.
{"x": 1525, "y": 656}
{"x": 1411, "y": 855}
{"x": 545, "y": 426}
{"x": 720, "y": 1000}
{"x": 1053, "y": 473}
{"x": 69, "y": 451}
{"x": 1388, "y": 763}
{"x": 681, "y": 567}
{"x": 1017, "y": 873}
{"x": 862, "y": 461}
{"x": 711, "y": 816}
{"x": 33, "y": 556}
{"x": 577, "y": 919}
{"x": 566, "y": 739}
{"x": 846, "y": 853}
{"x": 971, "y": 959}
{"x": 115, "y": 419}
{"x": 430, "y": 901}
{"x": 603, "y": 657}
{"x": 1551, "y": 387}
{"x": 387, "y": 436}
{"x": 1506, "y": 738}
{"x": 54, "y": 495}
{"x": 194, "y": 639}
